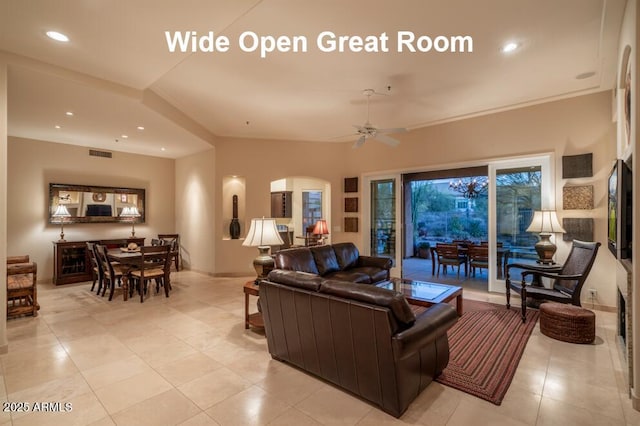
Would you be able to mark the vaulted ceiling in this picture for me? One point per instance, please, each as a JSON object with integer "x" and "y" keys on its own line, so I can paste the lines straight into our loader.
{"x": 116, "y": 73}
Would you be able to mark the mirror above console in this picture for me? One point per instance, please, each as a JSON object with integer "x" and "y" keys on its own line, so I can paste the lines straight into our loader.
{"x": 96, "y": 204}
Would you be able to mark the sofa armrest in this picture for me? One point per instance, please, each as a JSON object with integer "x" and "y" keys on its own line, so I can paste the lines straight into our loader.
{"x": 378, "y": 262}
{"x": 429, "y": 325}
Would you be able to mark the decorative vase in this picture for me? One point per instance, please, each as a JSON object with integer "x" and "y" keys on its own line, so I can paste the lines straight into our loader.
{"x": 234, "y": 226}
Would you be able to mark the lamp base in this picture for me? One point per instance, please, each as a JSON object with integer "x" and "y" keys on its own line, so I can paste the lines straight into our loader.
{"x": 545, "y": 249}
{"x": 263, "y": 264}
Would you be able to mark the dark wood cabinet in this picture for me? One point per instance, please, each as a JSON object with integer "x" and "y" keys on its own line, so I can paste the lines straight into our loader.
{"x": 281, "y": 204}
{"x": 71, "y": 261}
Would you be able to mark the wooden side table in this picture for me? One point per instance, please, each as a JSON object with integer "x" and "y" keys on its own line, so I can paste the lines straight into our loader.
{"x": 255, "y": 319}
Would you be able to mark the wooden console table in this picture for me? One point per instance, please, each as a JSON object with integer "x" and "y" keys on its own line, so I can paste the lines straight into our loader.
{"x": 71, "y": 261}
{"x": 255, "y": 319}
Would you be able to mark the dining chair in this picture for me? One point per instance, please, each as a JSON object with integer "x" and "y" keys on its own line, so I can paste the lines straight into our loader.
{"x": 96, "y": 266}
{"x": 174, "y": 241}
{"x": 449, "y": 255}
{"x": 155, "y": 264}
{"x": 478, "y": 257}
{"x": 112, "y": 272}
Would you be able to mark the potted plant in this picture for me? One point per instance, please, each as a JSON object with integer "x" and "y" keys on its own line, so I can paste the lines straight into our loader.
{"x": 422, "y": 249}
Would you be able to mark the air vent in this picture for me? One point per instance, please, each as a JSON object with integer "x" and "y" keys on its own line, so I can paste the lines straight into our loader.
{"x": 104, "y": 154}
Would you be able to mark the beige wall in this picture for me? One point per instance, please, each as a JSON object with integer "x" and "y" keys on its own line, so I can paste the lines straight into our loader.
{"x": 195, "y": 211}
{"x": 259, "y": 162}
{"x": 34, "y": 164}
{"x": 3, "y": 206}
{"x": 573, "y": 126}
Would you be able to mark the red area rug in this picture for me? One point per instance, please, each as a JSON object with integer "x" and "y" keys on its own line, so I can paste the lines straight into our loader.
{"x": 486, "y": 345}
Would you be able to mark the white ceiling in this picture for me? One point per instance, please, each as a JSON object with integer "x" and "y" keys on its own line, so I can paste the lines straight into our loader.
{"x": 116, "y": 72}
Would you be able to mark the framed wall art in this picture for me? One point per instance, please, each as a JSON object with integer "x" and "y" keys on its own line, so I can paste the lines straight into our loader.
{"x": 577, "y": 166}
{"x": 577, "y": 229}
{"x": 351, "y": 184}
{"x": 351, "y": 205}
{"x": 577, "y": 197}
{"x": 350, "y": 224}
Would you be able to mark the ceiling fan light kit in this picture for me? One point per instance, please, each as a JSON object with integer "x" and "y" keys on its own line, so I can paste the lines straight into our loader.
{"x": 369, "y": 131}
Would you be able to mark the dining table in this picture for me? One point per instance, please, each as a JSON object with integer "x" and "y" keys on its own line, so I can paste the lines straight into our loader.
{"x": 502, "y": 259}
{"x": 128, "y": 260}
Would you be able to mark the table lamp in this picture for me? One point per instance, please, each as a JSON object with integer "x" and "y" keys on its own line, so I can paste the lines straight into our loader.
{"x": 131, "y": 213}
{"x": 61, "y": 212}
{"x": 263, "y": 234}
{"x": 545, "y": 223}
{"x": 321, "y": 229}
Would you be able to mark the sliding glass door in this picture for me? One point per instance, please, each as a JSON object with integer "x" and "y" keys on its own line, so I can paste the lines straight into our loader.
{"x": 380, "y": 218}
{"x": 517, "y": 189}
{"x": 383, "y": 218}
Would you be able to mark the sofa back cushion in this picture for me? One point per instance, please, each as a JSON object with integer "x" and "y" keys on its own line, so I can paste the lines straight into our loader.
{"x": 296, "y": 259}
{"x": 378, "y": 296}
{"x": 296, "y": 279}
{"x": 347, "y": 255}
{"x": 326, "y": 260}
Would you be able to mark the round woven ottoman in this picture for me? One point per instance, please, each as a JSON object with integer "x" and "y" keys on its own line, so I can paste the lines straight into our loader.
{"x": 568, "y": 323}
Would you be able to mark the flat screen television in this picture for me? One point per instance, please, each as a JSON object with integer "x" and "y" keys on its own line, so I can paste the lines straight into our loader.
{"x": 619, "y": 212}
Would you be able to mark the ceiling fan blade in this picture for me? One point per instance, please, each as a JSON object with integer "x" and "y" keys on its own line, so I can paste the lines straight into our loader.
{"x": 386, "y": 139}
{"x": 360, "y": 128}
{"x": 359, "y": 142}
{"x": 393, "y": 130}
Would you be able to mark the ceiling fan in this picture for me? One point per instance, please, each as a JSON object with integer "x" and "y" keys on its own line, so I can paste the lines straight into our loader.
{"x": 369, "y": 131}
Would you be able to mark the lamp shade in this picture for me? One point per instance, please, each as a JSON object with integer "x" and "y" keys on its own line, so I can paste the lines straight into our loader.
{"x": 263, "y": 232}
{"x": 130, "y": 212}
{"x": 321, "y": 228}
{"x": 61, "y": 211}
{"x": 545, "y": 222}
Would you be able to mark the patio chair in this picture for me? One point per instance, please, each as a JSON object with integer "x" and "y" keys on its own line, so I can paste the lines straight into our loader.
{"x": 568, "y": 279}
{"x": 449, "y": 254}
{"x": 478, "y": 258}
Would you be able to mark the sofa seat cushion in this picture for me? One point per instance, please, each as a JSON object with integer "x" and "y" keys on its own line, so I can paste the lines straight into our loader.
{"x": 326, "y": 260}
{"x": 378, "y": 296}
{"x": 296, "y": 259}
{"x": 375, "y": 274}
{"x": 296, "y": 279}
{"x": 352, "y": 275}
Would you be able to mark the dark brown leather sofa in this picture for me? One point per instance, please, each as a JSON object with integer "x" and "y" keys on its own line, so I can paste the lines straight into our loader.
{"x": 338, "y": 261}
{"x": 360, "y": 337}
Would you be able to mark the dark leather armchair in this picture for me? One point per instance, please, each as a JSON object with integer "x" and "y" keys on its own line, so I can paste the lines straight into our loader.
{"x": 568, "y": 279}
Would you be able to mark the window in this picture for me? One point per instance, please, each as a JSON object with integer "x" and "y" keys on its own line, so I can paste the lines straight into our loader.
{"x": 311, "y": 208}
{"x": 462, "y": 204}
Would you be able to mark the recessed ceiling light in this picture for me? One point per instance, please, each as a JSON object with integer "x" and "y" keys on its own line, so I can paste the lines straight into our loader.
{"x": 125, "y": 136}
{"x": 54, "y": 35}
{"x": 140, "y": 127}
{"x": 56, "y": 126}
{"x": 585, "y": 75}
{"x": 163, "y": 149}
{"x": 510, "y": 47}
{"x": 69, "y": 113}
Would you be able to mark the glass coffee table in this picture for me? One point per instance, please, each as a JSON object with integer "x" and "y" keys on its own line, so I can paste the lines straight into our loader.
{"x": 424, "y": 293}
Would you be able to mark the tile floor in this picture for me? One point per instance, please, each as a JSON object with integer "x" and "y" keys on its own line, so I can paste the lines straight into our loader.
{"x": 188, "y": 360}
